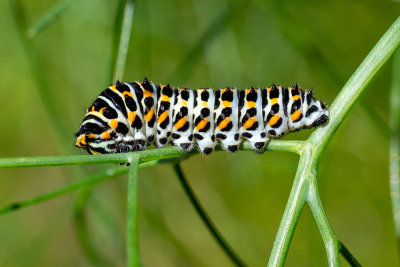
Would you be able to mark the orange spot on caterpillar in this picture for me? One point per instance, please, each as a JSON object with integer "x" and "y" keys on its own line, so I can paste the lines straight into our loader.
{"x": 147, "y": 93}
{"x": 165, "y": 98}
{"x": 102, "y": 110}
{"x": 113, "y": 87}
{"x": 226, "y": 103}
{"x": 114, "y": 124}
{"x": 251, "y": 104}
{"x": 295, "y": 97}
{"x": 131, "y": 116}
{"x": 127, "y": 93}
{"x": 274, "y": 101}
{"x": 249, "y": 123}
{"x": 149, "y": 115}
{"x": 249, "y": 90}
{"x": 295, "y": 115}
{"x": 106, "y": 135}
{"x": 202, "y": 124}
{"x": 180, "y": 123}
{"x": 224, "y": 123}
{"x": 81, "y": 141}
{"x": 274, "y": 119}
{"x": 163, "y": 117}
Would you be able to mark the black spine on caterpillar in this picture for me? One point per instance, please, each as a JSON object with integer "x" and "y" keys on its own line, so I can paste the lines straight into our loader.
{"x": 130, "y": 116}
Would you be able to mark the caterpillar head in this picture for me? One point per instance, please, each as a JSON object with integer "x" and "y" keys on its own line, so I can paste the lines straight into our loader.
{"x": 316, "y": 112}
{"x": 94, "y": 139}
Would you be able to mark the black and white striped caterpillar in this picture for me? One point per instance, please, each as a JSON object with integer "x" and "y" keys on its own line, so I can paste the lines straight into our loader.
{"x": 129, "y": 116}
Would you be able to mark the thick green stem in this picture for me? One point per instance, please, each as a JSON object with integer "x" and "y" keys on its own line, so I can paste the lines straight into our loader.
{"x": 356, "y": 85}
{"x": 205, "y": 218}
{"x": 145, "y": 156}
{"x": 132, "y": 244}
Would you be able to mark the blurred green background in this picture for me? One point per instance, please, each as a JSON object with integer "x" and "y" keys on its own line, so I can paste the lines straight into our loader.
{"x": 195, "y": 44}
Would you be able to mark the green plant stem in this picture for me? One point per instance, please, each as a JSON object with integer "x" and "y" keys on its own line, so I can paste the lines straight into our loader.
{"x": 305, "y": 180}
{"x": 348, "y": 256}
{"x": 132, "y": 246}
{"x": 394, "y": 148}
{"x": 185, "y": 66}
{"x": 356, "y": 85}
{"x": 82, "y": 230}
{"x": 205, "y": 218}
{"x": 291, "y": 215}
{"x": 34, "y": 61}
{"x": 121, "y": 38}
{"x": 145, "y": 155}
{"x": 50, "y": 17}
{"x": 329, "y": 238}
{"x": 92, "y": 180}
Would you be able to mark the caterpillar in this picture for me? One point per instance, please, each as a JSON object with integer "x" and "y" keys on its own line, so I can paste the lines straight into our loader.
{"x": 130, "y": 116}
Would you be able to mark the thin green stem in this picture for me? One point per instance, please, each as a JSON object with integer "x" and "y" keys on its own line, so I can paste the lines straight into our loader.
{"x": 291, "y": 215}
{"x": 329, "y": 238}
{"x": 205, "y": 218}
{"x": 49, "y": 18}
{"x": 132, "y": 244}
{"x": 348, "y": 256}
{"x": 394, "y": 149}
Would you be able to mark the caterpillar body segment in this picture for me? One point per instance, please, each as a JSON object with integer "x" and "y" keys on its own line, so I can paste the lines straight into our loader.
{"x": 130, "y": 116}
{"x": 275, "y": 111}
{"x": 203, "y": 120}
{"x": 251, "y": 122}
{"x": 182, "y": 130}
{"x": 165, "y": 108}
{"x": 226, "y": 112}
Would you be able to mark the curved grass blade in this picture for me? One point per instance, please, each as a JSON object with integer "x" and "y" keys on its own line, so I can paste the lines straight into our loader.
{"x": 185, "y": 66}
{"x": 49, "y": 18}
{"x": 348, "y": 256}
{"x": 82, "y": 230}
{"x": 205, "y": 218}
{"x": 394, "y": 149}
{"x": 121, "y": 37}
{"x": 34, "y": 64}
